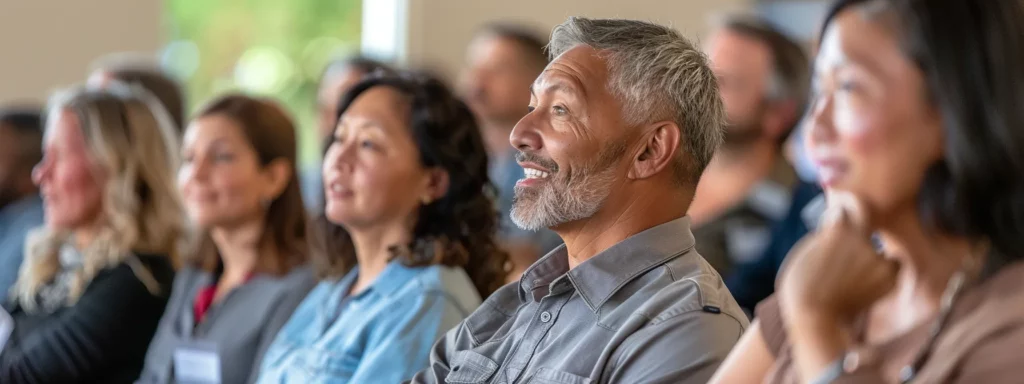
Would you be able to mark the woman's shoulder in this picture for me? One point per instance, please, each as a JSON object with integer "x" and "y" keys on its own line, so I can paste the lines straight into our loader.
{"x": 984, "y": 333}
{"x": 298, "y": 279}
{"x": 450, "y": 284}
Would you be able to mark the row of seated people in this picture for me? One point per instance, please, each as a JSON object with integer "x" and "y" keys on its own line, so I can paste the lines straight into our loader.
{"x": 917, "y": 145}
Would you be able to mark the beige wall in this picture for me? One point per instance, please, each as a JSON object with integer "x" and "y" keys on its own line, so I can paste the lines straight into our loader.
{"x": 439, "y": 30}
{"x": 45, "y": 44}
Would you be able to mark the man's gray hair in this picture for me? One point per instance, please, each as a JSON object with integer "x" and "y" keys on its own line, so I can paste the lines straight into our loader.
{"x": 658, "y": 75}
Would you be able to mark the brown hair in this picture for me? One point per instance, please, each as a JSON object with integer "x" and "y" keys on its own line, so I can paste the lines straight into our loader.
{"x": 458, "y": 230}
{"x": 272, "y": 135}
{"x": 150, "y": 77}
{"x": 791, "y": 67}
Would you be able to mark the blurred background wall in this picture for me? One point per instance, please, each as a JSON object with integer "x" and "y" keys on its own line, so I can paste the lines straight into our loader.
{"x": 278, "y": 47}
{"x": 440, "y": 30}
{"x": 48, "y": 43}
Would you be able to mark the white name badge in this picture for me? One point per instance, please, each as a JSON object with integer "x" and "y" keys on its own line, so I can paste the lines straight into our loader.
{"x": 197, "y": 363}
{"x": 6, "y": 327}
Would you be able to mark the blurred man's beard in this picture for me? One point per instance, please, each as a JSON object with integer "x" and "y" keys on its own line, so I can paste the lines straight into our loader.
{"x": 741, "y": 135}
{"x": 567, "y": 197}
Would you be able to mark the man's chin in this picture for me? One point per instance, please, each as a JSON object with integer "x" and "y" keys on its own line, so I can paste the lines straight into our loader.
{"x": 527, "y": 216}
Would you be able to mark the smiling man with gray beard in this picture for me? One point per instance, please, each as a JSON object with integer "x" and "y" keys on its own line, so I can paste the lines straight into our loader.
{"x": 621, "y": 125}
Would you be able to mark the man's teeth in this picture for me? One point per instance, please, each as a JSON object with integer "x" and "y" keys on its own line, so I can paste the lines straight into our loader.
{"x": 336, "y": 187}
{"x": 535, "y": 173}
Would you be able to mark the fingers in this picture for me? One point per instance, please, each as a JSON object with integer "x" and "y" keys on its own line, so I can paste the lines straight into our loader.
{"x": 846, "y": 211}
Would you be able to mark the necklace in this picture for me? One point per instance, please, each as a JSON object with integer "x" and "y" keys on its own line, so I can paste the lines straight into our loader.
{"x": 953, "y": 291}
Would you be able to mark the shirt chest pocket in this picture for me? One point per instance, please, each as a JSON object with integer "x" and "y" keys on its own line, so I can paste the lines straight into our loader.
{"x": 551, "y": 376}
{"x": 328, "y": 365}
{"x": 469, "y": 367}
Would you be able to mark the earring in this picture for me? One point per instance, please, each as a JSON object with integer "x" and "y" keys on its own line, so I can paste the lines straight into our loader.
{"x": 426, "y": 200}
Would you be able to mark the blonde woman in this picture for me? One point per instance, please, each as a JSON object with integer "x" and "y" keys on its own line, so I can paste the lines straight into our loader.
{"x": 96, "y": 278}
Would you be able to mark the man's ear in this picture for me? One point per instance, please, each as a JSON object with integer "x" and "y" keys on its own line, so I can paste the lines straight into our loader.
{"x": 659, "y": 147}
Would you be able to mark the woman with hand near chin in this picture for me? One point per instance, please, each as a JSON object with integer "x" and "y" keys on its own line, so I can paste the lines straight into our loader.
{"x": 917, "y": 131}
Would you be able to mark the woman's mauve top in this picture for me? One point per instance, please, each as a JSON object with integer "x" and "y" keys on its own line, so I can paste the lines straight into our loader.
{"x": 980, "y": 343}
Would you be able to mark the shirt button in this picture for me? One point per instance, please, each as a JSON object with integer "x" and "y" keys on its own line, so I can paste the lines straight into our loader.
{"x": 545, "y": 316}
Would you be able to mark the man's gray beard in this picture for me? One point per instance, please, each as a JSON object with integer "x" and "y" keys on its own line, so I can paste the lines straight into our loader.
{"x": 555, "y": 205}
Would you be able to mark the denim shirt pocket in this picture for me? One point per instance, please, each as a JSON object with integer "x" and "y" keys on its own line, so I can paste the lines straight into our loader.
{"x": 330, "y": 366}
{"x": 551, "y": 376}
{"x": 469, "y": 367}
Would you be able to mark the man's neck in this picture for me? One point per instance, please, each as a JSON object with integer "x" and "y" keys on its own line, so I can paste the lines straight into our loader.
{"x": 616, "y": 222}
{"x": 730, "y": 177}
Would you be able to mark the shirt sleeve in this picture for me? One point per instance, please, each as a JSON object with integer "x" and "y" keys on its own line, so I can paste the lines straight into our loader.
{"x": 399, "y": 346}
{"x": 686, "y": 349}
{"x": 276, "y": 320}
{"x": 114, "y": 320}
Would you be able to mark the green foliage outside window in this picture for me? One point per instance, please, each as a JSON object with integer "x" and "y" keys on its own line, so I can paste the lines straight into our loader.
{"x": 274, "y": 48}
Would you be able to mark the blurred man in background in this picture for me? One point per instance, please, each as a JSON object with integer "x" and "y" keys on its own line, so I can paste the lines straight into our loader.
{"x": 338, "y": 77}
{"x": 763, "y": 76}
{"x": 502, "y": 62}
{"x": 140, "y": 72}
{"x": 21, "y": 208}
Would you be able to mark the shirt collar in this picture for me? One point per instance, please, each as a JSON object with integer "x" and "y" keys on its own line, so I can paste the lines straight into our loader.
{"x": 599, "y": 278}
{"x": 394, "y": 276}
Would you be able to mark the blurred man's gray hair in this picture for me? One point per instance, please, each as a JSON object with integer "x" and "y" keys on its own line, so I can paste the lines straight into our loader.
{"x": 657, "y": 75}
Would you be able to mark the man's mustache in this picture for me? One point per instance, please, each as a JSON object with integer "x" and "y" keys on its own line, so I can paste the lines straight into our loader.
{"x": 526, "y": 157}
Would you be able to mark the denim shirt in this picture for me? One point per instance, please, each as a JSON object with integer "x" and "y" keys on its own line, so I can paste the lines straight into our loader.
{"x": 380, "y": 335}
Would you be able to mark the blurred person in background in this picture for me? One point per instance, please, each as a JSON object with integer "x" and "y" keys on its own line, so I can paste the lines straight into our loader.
{"x": 917, "y": 128}
{"x": 240, "y": 187}
{"x": 21, "y": 207}
{"x": 148, "y": 76}
{"x": 96, "y": 278}
{"x": 621, "y": 125}
{"x": 502, "y": 62}
{"x": 763, "y": 77}
{"x": 408, "y": 243}
{"x": 338, "y": 77}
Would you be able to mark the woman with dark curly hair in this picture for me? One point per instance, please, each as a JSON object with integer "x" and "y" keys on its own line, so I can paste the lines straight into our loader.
{"x": 407, "y": 239}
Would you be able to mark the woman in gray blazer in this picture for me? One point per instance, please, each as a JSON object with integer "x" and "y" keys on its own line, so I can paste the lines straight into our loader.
{"x": 240, "y": 188}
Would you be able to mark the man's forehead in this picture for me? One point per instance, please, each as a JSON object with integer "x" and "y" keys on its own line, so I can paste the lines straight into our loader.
{"x": 578, "y": 70}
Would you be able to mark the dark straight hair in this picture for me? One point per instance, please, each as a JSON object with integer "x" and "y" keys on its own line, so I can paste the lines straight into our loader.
{"x": 970, "y": 53}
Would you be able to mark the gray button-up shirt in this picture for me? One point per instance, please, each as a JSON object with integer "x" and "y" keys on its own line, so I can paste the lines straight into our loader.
{"x": 647, "y": 310}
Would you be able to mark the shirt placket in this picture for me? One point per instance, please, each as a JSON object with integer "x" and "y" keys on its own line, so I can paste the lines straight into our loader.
{"x": 543, "y": 319}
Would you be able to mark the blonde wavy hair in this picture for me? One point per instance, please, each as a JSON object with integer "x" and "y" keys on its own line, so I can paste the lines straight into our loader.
{"x": 131, "y": 137}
